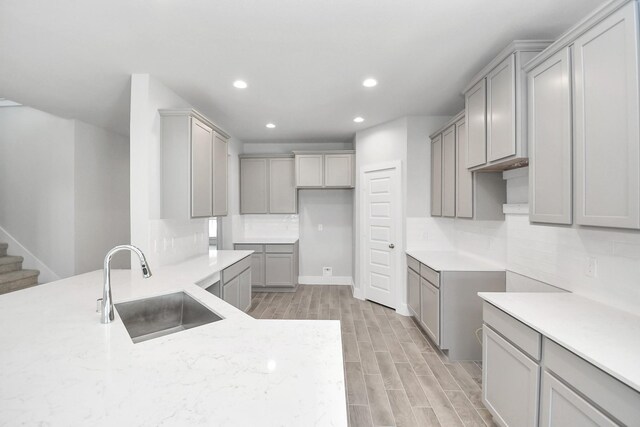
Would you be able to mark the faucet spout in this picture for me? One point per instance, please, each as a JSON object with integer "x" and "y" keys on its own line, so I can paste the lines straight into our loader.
{"x": 106, "y": 314}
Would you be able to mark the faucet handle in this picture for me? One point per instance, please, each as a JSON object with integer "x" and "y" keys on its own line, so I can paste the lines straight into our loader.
{"x": 98, "y": 305}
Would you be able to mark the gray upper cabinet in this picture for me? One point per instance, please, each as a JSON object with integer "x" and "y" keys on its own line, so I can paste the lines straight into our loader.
{"x": 496, "y": 105}
{"x": 201, "y": 169}
{"x": 606, "y": 114}
{"x": 476, "y": 110}
{"x": 309, "y": 170}
{"x": 193, "y": 166}
{"x": 436, "y": 176}
{"x": 325, "y": 169}
{"x": 449, "y": 171}
{"x": 220, "y": 176}
{"x": 282, "y": 186}
{"x": 464, "y": 178}
{"x": 550, "y": 180}
{"x": 455, "y": 190}
{"x": 254, "y": 186}
{"x": 338, "y": 170}
{"x": 501, "y": 123}
{"x": 267, "y": 184}
{"x": 584, "y": 113}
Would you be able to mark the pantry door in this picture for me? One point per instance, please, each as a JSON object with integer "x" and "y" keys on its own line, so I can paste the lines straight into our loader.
{"x": 382, "y": 224}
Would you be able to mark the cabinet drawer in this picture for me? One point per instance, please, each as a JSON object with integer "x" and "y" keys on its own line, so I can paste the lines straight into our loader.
{"x": 235, "y": 269}
{"x": 413, "y": 264}
{"x": 617, "y": 399}
{"x": 244, "y": 247}
{"x": 515, "y": 331}
{"x": 279, "y": 249}
{"x": 430, "y": 274}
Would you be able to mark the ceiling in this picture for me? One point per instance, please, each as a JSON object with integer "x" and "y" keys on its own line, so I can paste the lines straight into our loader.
{"x": 304, "y": 60}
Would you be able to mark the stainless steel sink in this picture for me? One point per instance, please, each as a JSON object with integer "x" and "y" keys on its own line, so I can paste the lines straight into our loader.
{"x": 155, "y": 317}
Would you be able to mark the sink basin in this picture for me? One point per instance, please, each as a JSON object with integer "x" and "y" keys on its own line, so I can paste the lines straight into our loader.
{"x": 155, "y": 317}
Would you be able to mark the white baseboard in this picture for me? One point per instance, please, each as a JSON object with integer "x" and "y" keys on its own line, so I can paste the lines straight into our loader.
{"x": 31, "y": 262}
{"x": 357, "y": 293}
{"x": 325, "y": 280}
{"x": 403, "y": 310}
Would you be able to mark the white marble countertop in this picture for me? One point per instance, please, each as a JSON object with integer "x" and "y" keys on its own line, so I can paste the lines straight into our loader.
{"x": 454, "y": 261}
{"x": 60, "y": 366}
{"x": 267, "y": 240}
{"x": 602, "y": 335}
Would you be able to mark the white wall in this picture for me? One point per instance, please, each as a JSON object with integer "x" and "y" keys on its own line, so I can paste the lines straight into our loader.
{"x": 333, "y": 245}
{"x": 162, "y": 241}
{"x": 64, "y": 191}
{"x": 101, "y": 196}
{"x": 36, "y": 185}
{"x": 404, "y": 140}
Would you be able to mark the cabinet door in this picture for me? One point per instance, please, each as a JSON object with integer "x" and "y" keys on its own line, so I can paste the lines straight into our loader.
{"x": 509, "y": 381}
{"x": 606, "y": 114}
{"x": 220, "y": 176}
{"x": 501, "y": 115}
{"x": 464, "y": 178}
{"x": 476, "y": 115}
{"x": 244, "y": 291}
{"x": 549, "y": 121}
{"x": 230, "y": 292}
{"x": 449, "y": 171}
{"x": 436, "y": 176}
{"x": 201, "y": 170}
{"x": 279, "y": 270}
{"x": 254, "y": 184}
{"x": 430, "y": 310}
{"x": 338, "y": 170}
{"x": 561, "y": 407}
{"x": 282, "y": 186}
{"x": 413, "y": 292}
{"x": 309, "y": 170}
{"x": 257, "y": 270}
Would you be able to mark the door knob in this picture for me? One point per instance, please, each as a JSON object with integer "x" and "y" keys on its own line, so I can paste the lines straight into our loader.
{"x": 391, "y": 245}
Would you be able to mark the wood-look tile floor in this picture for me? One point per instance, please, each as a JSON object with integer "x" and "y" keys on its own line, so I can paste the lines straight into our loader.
{"x": 394, "y": 375}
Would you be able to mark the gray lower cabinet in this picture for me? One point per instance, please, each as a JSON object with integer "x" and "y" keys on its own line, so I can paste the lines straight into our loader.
{"x": 430, "y": 309}
{"x": 274, "y": 267}
{"x": 236, "y": 284}
{"x": 561, "y": 406}
{"x": 510, "y": 381}
{"x": 530, "y": 380}
{"x": 446, "y": 305}
{"x": 413, "y": 292}
{"x": 267, "y": 184}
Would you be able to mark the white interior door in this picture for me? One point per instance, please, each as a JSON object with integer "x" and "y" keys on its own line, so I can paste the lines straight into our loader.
{"x": 381, "y": 218}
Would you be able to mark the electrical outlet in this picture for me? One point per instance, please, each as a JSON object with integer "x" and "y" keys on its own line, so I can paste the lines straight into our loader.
{"x": 592, "y": 267}
{"x": 320, "y": 227}
{"x": 327, "y": 271}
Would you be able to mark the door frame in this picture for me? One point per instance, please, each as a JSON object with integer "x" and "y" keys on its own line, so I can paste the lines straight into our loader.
{"x": 399, "y": 291}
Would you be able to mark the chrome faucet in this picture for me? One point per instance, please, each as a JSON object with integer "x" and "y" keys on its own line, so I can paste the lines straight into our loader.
{"x": 106, "y": 315}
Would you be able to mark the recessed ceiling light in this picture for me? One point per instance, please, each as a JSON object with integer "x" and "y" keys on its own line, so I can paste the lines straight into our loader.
{"x": 240, "y": 84}
{"x": 358, "y": 119}
{"x": 270, "y": 125}
{"x": 369, "y": 82}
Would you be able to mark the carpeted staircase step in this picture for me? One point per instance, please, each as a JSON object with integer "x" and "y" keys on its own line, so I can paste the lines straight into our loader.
{"x": 16, "y": 280}
{"x": 10, "y": 263}
{"x": 3, "y": 249}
